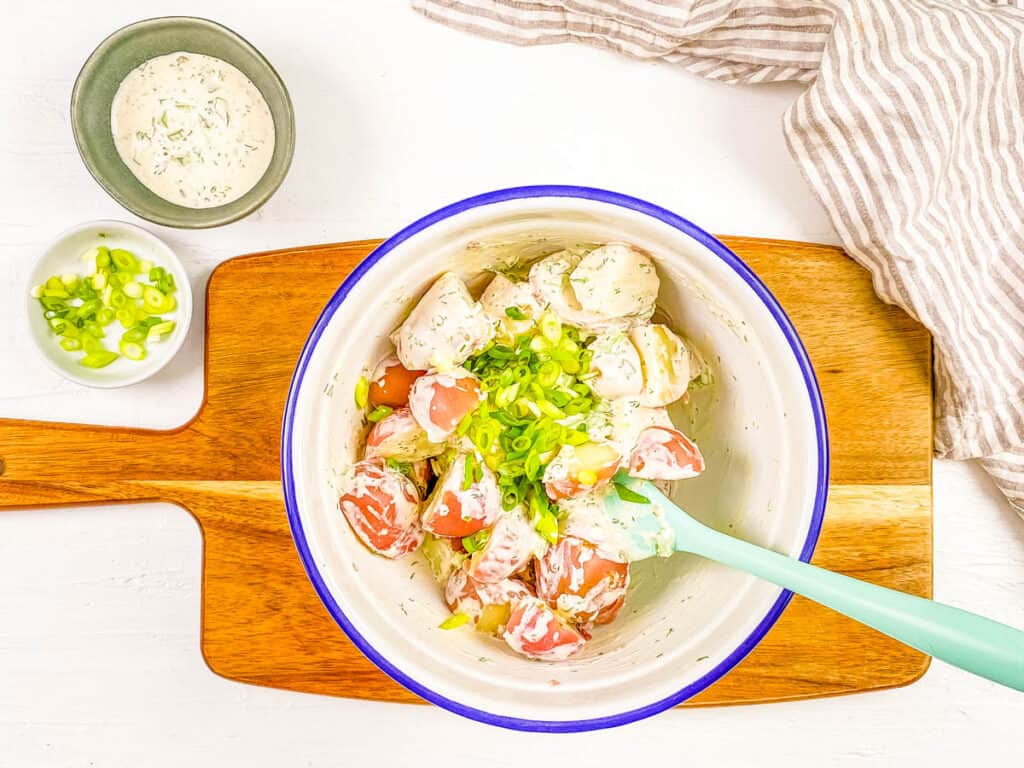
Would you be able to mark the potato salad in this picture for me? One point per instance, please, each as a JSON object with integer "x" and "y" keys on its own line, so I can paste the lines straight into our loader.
{"x": 499, "y": 424}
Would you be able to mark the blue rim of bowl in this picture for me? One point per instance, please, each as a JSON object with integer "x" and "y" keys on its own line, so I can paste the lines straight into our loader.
{"x": 623, "y": 201}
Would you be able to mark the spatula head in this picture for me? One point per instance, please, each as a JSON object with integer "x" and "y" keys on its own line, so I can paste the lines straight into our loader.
{"x": 649, "y": 529}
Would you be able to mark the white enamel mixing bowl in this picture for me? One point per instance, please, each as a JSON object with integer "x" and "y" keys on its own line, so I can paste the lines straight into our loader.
{"x": 686, "y": 621}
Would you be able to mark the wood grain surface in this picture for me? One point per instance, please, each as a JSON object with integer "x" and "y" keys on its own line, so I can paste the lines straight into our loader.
{"x": 262, "y": 622}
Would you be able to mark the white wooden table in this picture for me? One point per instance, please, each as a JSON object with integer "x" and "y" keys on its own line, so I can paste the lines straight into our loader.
{"x": 99, "y": 607}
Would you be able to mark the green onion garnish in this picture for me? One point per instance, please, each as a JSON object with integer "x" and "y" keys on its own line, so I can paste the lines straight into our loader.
{"x": 79, "y": 308}
{"x": 378, "y": 413}
{"x": 515, "y": 313}
{"x": 362, "y": 392}
{"x": 531, "y": 386}
{"x": 454, "y": 621}
{"x": 98, "y": 359}
{"x": 629, "y": 495}
{"x": 477, "y": 541}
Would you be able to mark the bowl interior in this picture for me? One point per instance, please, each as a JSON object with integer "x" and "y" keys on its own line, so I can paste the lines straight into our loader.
{"x": 686, "y": 620}
{"x": 118, "y": 55}
{"x": 65, "y": 256}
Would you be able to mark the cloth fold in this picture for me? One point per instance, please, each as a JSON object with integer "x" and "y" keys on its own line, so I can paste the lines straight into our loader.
{"x": 911, "y": 133}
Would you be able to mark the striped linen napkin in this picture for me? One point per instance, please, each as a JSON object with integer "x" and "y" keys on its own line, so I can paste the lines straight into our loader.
{"x": 911, "y": 132}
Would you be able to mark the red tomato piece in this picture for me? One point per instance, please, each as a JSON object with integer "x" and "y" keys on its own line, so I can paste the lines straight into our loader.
{"x": 391, "y": 382}
{"x": 509, "y": 548}
{"x": 581, "y": 583}
{"x": 661, "y": 453}
{"x": 534, "y": 630}
{"x": 382, "y": 507}
{"x": 452, "y": 510}
{"x": 578, "y": 469}
{"x": 440, "y": 400}
{"x": 397, "y": 436}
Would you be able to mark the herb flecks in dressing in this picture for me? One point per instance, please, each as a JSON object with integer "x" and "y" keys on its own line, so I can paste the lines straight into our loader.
{"x": 193, "y": 129}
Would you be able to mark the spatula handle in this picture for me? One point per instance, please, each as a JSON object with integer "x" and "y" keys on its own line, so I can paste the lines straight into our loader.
{"x": 979, "y": 645}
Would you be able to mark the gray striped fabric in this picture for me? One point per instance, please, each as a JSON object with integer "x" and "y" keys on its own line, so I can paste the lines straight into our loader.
{"x": 912, "y": 134}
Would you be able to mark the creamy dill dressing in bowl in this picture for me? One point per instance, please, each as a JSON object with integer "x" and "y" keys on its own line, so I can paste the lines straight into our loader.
{"x": 193, "y": 129}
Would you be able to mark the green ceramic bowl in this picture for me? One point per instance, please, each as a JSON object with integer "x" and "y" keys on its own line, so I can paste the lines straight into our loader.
{"x": 118, "y": 55}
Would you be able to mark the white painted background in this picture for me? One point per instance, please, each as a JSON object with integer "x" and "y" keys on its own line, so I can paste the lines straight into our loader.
{"x": 99, "y": 608}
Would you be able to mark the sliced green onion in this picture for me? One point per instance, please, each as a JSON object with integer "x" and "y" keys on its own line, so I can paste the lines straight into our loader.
{"x": 378, "y": 413}
{"x": 548, "y": 373}
{"x": 506, "y": 395}
{"x": 158, "y": 331}
{"x": 477, "y": 541}
{"x": 125, "y": 260}
{"x": 469, "y": 472}
{"x": 91, "y": 344}
{"x": 102, "y": 256}
{"x": 132, "y": 289}
{"x": 145, "y": 265}
{"x": 135, "y": 334}
{"x": 154, "y": 300}
{"x": 70, "y": 345}
{"x": 362, "y": 392}
{"x": 547, "y": 527}
{"x": 515, "y": 313}
{"x": 629, "y": 495}
{"x": 577, "y": 438}
{"x": 125, "y": 316}
{"x": 93, "y": 329}
{"x": 104, "y": 316}
{"x": 98, "y": 358}
{"x": 550, "y": 328}
{"x": 133, "y": 350}
{"x": 454, "y": 621}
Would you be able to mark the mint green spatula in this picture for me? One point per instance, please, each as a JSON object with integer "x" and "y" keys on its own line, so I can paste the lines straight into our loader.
{"x": 966, "y": 640}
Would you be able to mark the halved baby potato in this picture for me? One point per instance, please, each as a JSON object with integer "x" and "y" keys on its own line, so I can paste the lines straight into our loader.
{"x": 581, "y": 582}
{"x": 391, "y": 382}
{"x": 512, "y": 305}
{"x": 440, "y": 400}
{"x": 382, "y": 507}
{"x": 482, "y": 601}
{"x": 459, "y": 506}
{"x": 510, "y": 546}
{"x": 399, "y": 436}
{"x": 662, "y": 453}
{"x": 536, "y": 631}
{"x": 578, "y": 469}
{"x": 616, "y": 364}
{"x": 665, "y": 361}
{"x": 444, "y": 328}
{"x": 616, "y": 281}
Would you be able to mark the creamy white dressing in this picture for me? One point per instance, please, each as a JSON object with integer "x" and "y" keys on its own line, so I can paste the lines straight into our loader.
{"x": 193, "y": 129}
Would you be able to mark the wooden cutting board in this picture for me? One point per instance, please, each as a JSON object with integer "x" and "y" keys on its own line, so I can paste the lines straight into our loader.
{"x": 262, "y": 623}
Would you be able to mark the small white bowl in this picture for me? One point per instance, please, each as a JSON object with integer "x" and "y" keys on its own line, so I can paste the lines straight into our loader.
{"x": 686, "y": 621}
{"x": 64, "y": 256}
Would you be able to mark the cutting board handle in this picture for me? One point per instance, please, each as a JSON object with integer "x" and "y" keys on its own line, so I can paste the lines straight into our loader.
{"x": 47, "y": 463}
